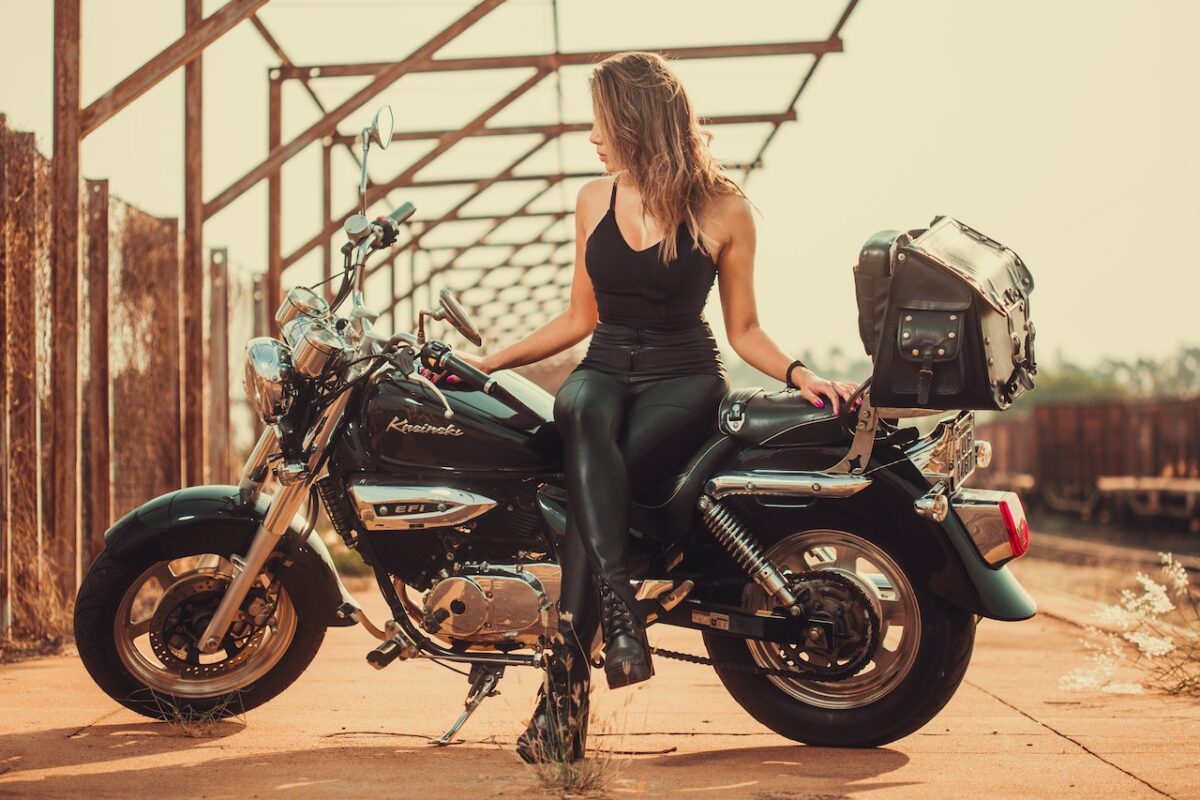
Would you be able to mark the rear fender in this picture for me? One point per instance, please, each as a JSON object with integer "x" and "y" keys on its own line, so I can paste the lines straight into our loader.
{"x": 205, "y": 511}
{"x": 952, "y": 564}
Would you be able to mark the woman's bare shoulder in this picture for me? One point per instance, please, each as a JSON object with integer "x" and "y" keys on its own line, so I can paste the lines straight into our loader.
{"x": 595, "y": 193}
{"x": 729, "y": 210}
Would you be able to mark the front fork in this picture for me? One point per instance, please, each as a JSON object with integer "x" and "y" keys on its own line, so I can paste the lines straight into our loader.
{"x": 296, "y": 479}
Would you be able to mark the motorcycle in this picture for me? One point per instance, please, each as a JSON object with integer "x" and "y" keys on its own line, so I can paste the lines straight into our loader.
{"x": 835, "y": 564}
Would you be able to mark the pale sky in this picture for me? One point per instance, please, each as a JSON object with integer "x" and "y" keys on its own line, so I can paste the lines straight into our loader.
{"x": 1066, "y": 130}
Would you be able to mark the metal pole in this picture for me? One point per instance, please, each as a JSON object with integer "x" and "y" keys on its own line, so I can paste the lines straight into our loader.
{"x": 327, "y": 215}
{"x": 191, "y": 284}
{"x": 64, "y": 457}
{"x": 99, "y": 446}
{"x": 218, "y": 368}
{"x": 271, "y": 287}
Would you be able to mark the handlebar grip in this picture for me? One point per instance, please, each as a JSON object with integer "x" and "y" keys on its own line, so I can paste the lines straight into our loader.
{"x": 402, "y": 213}
{"x": 509, "y": 399}
{"x": 472, "y": 377}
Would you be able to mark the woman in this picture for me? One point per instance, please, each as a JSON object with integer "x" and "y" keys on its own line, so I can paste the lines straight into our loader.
{"x": 651, "y": 238}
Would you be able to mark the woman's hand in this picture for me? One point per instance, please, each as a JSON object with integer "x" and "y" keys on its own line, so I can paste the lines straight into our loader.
{"x": 481, "y": 363}
{"x": 813, "y": 386}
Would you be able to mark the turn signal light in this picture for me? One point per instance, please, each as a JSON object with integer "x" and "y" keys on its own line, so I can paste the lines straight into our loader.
{"x": 1016, "y": 524}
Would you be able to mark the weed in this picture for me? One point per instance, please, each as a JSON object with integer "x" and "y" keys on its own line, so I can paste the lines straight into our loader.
{"x": 197, "y": 723}
{"x": 1160, "y": 625}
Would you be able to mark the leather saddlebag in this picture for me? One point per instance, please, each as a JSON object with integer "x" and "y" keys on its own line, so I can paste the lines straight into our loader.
{"x": 955, "y": 331}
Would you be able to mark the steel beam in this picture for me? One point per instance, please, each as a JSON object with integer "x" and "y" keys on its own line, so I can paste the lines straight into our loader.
{"x": 178, "y": 53}
{"x": 405, "y": 178}
{"x": 65, "y": 400}
{"x": 558, "y": 129}
{"x": 328, "y": 123}
{"x": 556, "y": 60}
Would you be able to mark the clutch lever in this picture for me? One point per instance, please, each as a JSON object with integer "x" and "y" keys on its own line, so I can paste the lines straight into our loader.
{"x": 419, "y": 378}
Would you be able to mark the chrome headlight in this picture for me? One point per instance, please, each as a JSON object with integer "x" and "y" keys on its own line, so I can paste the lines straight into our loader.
{"x": 314, "y": 344}
{"x": 268, "y": 377}
{"x": 301, "y": 302}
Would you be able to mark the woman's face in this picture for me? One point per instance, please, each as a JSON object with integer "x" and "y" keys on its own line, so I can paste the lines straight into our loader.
{"x": 597, "y": 138}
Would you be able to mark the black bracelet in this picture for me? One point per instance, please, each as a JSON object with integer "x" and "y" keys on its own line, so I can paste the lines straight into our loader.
{"x": 787, "y": 376}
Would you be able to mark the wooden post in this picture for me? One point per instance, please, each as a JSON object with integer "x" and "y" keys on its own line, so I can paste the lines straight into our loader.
{"x": 64, "y": 422}
{"x": 271, "y": 286}
{"x": 218, "y": 368}
{"x": 327, "y": 214}
{"x": 191, "y": 284}
{"x": 259, "y": 300}
{"x": 97, "y": 408}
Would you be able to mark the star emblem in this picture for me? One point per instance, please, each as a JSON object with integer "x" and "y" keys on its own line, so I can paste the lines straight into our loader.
{"x": 856, "y": 463}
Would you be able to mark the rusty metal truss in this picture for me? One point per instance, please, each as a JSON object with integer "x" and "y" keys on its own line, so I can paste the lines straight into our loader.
{"x": 525, "y": 287}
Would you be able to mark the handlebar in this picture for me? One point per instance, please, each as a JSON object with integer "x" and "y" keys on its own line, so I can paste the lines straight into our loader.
{"x": 437, "y": 356}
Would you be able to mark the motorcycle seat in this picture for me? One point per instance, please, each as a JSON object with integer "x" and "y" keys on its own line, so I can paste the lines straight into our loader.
{"x": 781, "y": 418}
{"x": 674, "y": 498}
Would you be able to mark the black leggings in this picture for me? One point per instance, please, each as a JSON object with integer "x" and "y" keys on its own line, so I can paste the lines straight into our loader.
{"x": 617, "y": 434}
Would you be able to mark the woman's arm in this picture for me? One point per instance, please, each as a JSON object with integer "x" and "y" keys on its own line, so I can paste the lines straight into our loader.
{"x": 735, "y": 270}
{"x": 571, "y": 326}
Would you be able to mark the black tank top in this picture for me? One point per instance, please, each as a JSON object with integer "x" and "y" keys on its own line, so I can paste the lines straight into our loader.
{"x": 633, "y": 287}
{"x": 651, "y": 323}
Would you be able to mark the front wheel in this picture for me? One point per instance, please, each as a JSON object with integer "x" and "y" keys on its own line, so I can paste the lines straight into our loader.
{"x": 924, "y": 647}
{"x": 138, "y": 621}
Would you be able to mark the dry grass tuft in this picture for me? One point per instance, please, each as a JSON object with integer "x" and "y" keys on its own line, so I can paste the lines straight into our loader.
{"x": 599, "y": 769}
{"x": 186, "y": 720}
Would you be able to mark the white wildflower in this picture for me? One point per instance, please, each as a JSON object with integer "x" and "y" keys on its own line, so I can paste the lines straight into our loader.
{"x": 1149, "y": 644}
{"x": 1151, "y": 602}
{"x": 1115, "y": 617}
{"x": 1122, "y": 688}
{"x": 1093, "y": 677}
{"x": 1176, "y": 575}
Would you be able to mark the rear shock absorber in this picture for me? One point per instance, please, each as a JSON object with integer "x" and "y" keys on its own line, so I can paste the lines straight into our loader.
{"x": 735, "y": 537}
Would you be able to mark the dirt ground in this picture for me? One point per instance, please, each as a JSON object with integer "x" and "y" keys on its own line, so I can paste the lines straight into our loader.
{"x": 345, "y": 730}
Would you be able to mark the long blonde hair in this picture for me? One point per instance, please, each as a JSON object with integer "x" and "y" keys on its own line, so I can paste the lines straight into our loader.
{"x": 648, "y": 123}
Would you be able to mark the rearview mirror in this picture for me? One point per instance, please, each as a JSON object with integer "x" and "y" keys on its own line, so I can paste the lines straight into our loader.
{"x": 382, "y": 126}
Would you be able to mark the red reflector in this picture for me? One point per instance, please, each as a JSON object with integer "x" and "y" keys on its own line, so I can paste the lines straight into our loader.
{"x": 1015, "y": 523}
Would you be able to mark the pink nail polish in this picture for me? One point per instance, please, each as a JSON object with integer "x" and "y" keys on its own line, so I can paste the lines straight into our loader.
{"x": 819, "y": 404}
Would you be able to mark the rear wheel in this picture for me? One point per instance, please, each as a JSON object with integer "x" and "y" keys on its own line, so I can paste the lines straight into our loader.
{"x": 138, "y": 623}
{"x": 924, "y": 647}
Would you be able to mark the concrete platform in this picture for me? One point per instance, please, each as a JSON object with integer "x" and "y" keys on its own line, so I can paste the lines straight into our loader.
{"x": 345, "y": 730}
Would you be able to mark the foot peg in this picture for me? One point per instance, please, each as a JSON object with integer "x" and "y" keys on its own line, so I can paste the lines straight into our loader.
{"x": 397, "y": 645}
{"x": 663, "y": 603}
{"x": 483, "y": 678}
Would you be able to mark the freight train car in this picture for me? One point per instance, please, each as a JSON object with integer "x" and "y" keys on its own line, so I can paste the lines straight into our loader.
{"x": 1104, "y": 460}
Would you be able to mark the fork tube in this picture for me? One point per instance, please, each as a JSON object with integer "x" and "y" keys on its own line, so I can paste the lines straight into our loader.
{"x": 284, "y": 505}
{"x": 249, "y": 486}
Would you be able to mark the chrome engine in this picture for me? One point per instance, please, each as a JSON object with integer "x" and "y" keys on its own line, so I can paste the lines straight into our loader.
{"x": 492, "y": 604}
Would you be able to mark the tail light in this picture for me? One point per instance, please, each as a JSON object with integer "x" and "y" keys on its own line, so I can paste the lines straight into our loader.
{"x": 1015, "y": 523}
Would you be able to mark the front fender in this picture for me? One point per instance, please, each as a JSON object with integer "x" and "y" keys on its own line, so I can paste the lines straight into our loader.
{"x": 199, "y": 510}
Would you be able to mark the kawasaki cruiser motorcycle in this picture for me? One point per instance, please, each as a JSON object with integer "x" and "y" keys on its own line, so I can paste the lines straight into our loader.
{"x": 835, "y": 565}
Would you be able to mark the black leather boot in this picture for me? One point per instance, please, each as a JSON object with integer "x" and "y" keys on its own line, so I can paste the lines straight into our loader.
{"x": 626, "y": 650}
{"x": 558, "y": 729}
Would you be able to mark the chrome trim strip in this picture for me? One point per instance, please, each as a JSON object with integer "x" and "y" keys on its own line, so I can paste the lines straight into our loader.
{"x": 787, "y": 483}
{"x": 384, "y": 507}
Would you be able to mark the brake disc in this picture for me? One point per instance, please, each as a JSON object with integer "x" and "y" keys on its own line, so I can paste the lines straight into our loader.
{"x": 180, "y": 619}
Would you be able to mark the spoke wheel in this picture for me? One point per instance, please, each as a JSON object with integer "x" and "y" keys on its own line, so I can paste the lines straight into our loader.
{"x": 887, "y": 588}
{"x": 164, "y": 611}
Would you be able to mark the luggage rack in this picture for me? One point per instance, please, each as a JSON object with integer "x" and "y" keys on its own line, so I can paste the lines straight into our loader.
{"x": 949, "y": 459}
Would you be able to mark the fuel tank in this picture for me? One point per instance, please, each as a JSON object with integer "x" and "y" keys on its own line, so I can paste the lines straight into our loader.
{"x": 398, "y": 424}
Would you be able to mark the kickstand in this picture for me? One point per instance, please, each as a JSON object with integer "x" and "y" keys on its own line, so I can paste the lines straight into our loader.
{"x": 483, "y": 678}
